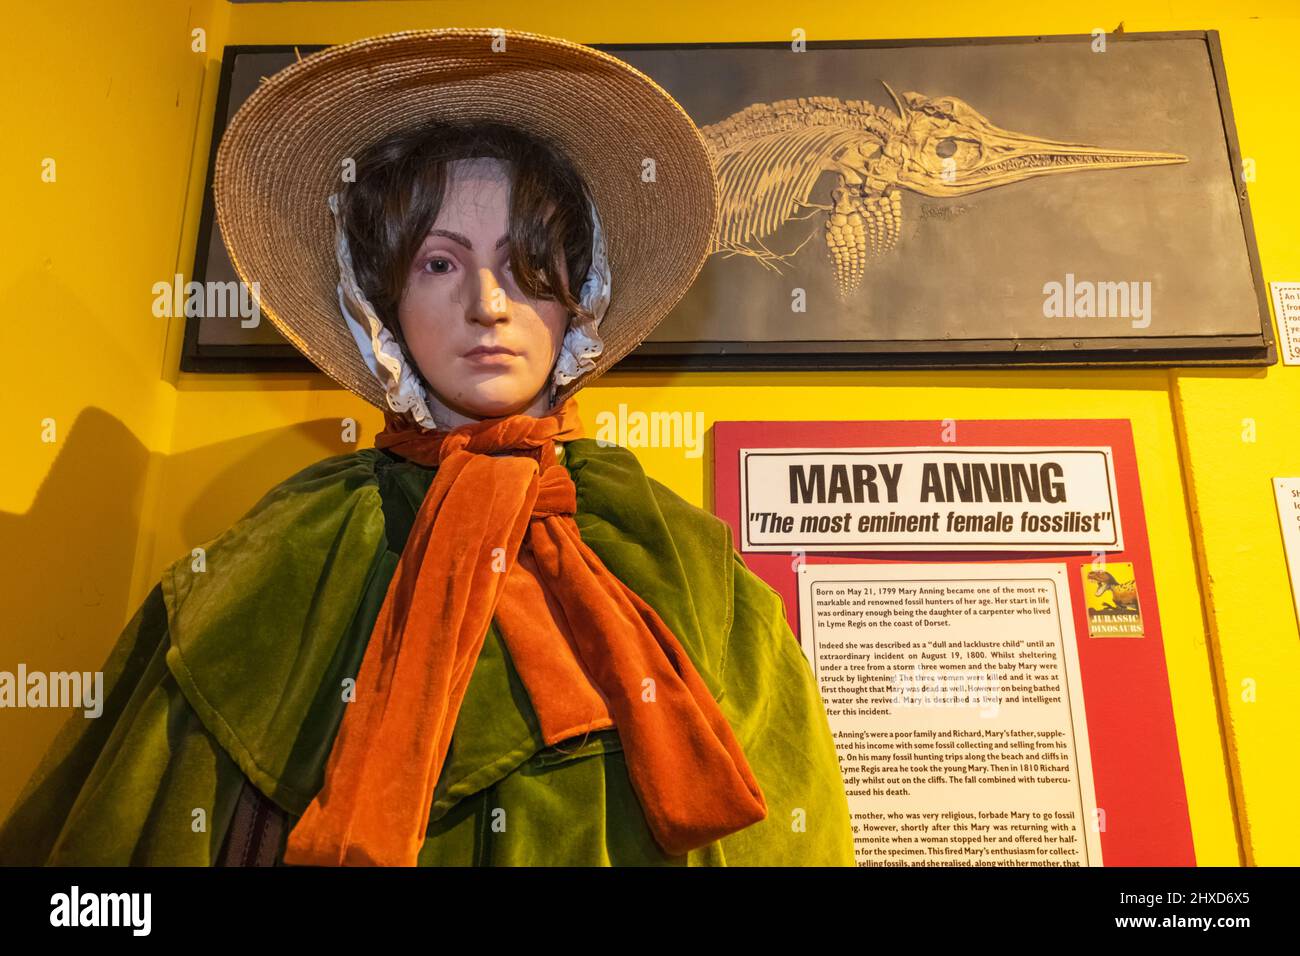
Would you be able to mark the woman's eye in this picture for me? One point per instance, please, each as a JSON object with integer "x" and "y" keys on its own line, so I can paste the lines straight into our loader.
{"x": 441, "y": 265}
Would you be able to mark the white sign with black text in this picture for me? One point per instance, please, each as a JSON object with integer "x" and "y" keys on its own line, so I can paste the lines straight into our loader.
{"x": 1288, "y": 513}
{"x": 1286, "y": 308}
{"x": 929, "y": 499}
{"x": 955, "y": 698}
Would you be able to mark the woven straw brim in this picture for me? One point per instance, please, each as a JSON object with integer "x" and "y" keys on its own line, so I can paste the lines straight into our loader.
{"x": 283, "y": 154}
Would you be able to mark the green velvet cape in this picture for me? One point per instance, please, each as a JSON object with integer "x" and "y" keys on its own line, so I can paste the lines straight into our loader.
{"x": 236, "y": 670}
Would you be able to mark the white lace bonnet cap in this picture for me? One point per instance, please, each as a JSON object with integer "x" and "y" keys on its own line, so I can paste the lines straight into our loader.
{"x": 403, "y": 390}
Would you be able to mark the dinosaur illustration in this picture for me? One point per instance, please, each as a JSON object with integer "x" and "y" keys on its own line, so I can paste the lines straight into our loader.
{"x": 769, "y": 156}
{"x": 1125, "y": 596}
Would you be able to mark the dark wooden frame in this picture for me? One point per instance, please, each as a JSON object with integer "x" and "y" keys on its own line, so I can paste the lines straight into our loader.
{"x": 1062, "y": 352}
{"x": 196, "y": 357}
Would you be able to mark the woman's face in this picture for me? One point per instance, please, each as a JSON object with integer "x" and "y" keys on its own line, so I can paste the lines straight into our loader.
{"x": 461, "y": 298}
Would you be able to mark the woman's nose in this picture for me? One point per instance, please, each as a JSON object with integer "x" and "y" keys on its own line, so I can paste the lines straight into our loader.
{"x": 490, "y": 302}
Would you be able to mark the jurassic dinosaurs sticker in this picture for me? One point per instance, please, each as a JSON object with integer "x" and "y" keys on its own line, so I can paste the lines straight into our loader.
{"x": 1111, "y": 596}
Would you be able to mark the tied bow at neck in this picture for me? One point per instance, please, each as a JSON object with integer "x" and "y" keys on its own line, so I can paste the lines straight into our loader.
{"x": 495, "y": 538}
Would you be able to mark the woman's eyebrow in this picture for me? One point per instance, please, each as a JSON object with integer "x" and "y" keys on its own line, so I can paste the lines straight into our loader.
{"x": 457, "y": 237}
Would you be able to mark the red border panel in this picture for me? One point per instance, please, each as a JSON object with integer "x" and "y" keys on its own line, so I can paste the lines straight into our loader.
{"x": 1136, "y": 766}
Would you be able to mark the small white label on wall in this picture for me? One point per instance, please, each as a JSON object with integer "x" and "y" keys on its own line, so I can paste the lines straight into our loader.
{"x": 1286, "y": 306}
{"x": 1288, "y": 512}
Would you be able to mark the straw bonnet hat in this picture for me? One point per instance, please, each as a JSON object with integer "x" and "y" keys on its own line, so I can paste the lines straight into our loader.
{"x": 281, "y": 159}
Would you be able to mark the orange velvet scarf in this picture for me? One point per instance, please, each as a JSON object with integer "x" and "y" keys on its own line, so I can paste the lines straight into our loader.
{"x": 495, "y": 537}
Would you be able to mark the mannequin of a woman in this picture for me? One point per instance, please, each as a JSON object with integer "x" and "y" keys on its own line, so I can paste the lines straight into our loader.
{"x": 207, "y": 704}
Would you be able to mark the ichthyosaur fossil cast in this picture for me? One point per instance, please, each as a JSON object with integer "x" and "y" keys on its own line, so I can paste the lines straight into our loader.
{"x": 769, "y": 156}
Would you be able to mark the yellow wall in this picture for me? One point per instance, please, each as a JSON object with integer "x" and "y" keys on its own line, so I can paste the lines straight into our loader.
{"x": 150, "y": 461}
{"x": 113, "y": 101}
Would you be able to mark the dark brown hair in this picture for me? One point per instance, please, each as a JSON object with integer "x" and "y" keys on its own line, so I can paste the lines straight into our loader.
{"x": 399, "y": 189}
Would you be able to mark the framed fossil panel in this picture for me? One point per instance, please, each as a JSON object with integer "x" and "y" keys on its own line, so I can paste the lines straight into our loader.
{"x": 943, "y": 203}
{"x": 966, "y": 202}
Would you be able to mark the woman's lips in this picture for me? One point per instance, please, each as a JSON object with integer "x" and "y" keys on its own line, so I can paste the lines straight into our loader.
{"x": 490, "y": 358}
